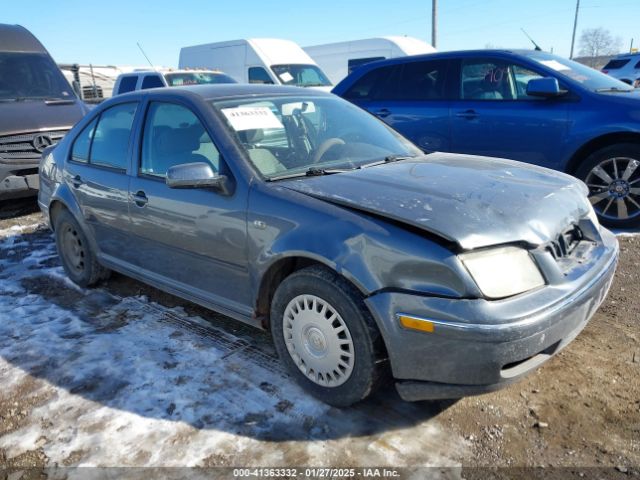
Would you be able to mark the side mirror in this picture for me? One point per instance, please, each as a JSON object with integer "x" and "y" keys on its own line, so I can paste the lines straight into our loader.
{"x": 196, "y": 175}
{"x": 547, "y": 87}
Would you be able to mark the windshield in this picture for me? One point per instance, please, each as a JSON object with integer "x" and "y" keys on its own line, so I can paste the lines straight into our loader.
{"x": 301, "y": 75}
{"x": 31, "y": 75}
{"x": 196, "y": 78}
{"x": 587, "y": 76}
{"x": 291, "y": 135}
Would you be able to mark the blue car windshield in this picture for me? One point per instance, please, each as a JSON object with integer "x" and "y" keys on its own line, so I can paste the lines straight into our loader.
{"x": 289, "y": 135}
{"x": 588, "y": 77}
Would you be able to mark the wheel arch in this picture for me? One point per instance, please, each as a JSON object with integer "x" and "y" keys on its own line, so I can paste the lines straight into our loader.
{"x": 596, "y": 144}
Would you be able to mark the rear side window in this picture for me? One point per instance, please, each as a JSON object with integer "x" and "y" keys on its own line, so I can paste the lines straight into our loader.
{"x": 82, "y": 145}
{"x": 111, "y": 137}
{"x": 152, "y": 81}
{"x": 259, "y": 75}
{"x": 372, "y": 84}
{"x": 127, "y": 84}
{"x": 420, "y": 81}
{"x": 616, "y": 64}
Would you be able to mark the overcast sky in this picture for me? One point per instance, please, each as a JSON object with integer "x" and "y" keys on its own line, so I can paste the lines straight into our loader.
{"x": 106, "y": 32}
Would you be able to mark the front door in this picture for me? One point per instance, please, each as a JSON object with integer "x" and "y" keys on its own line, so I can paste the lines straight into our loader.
{"x": 192, "y": 239}
{"x": 495, "y": 117}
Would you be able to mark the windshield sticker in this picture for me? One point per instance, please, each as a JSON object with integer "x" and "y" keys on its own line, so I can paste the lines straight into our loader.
{"x": 286, "y": 77}
{"x": 251, "y": 118}
{"x": 556, "y": 65}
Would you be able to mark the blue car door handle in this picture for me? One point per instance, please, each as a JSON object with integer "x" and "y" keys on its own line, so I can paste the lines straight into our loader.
{"x": 140, "y": 198}
{"x": 383, "y": 112}
{"x": 468, "y": 114}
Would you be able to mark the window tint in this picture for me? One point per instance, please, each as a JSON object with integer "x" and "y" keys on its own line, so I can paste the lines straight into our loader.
{"x": 82, "y": 144}
{"x": 173, "y": 135}
{"x": 259, "y": 75}
{"x": 127, "y": 84}
{"x": 371, "y": 84}
{"x": 111, "y": 137}
{"x": 152, "y": 81}
{"x": 616, "y": 64}
{"x": 357, "y": 62}
{"x": 419, "y": 81}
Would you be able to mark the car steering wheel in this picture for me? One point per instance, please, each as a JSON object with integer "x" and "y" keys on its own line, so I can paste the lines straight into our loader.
{"x": 324, "y": 147}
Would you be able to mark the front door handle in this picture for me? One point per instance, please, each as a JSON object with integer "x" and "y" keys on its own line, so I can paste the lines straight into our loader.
{"x": 383, "y": 112}
{"x": 76, "y": 181}
{"x": 468, "y": 114}
{"x": 140, "y": 198}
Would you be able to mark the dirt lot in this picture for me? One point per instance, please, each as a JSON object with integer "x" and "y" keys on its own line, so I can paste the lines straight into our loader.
{"x": 114, "y": 376}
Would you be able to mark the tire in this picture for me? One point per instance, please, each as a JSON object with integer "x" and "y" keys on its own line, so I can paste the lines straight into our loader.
{"x": 78, "y": 259}
{"x": 613, "y": 177}
{"x": 304, "y": 334}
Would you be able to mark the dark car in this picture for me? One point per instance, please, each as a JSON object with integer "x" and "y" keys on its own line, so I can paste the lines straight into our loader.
{"x": 295, "y": 211}
{"x": 37, "y": 108}
{"x": 524, "y": 105}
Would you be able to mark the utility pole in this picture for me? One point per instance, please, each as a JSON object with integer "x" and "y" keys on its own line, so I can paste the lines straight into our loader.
{"x": 434, "y": 23}
{"x": 575, "y": 25}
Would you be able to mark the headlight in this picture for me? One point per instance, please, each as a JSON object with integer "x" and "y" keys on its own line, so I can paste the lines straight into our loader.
{"x": 502, "y": 272}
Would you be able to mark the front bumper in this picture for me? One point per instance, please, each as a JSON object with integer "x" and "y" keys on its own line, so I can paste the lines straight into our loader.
{"x": 478, "y": 346}
{"x": 18, "y": 181}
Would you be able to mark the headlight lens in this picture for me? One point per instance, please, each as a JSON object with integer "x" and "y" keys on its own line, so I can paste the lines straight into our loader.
{"x": 503, "y": 272}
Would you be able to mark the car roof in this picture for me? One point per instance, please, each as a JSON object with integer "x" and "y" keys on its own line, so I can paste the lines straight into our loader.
{"x": 455, "y": 54}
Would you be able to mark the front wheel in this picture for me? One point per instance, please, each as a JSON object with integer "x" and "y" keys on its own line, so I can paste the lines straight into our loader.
{"x": 613, "y": 178}
{"x": 326, "y": 337}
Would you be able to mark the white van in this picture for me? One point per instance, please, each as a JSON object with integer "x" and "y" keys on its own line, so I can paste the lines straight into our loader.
{"x": 258, "y": 60}
{"x": 338, "y": 60}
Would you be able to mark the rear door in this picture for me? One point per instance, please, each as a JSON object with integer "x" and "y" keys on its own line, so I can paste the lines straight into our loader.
{"x": 97, "y": 174}
{"x": 193, "y": 239}
{"x": 412, "y": 97}
{"x": 494, "y": 116}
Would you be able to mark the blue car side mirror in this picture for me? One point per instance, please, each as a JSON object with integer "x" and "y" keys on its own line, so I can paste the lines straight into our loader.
{"x": 547, "y": 87}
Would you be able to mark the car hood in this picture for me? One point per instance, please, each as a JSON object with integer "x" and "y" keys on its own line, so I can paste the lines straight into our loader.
{"x": 472, "y": 201}
{"x": 34, "y": 115}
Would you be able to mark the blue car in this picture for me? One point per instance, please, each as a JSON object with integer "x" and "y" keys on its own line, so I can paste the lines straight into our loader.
{"x": 523, "y": 105}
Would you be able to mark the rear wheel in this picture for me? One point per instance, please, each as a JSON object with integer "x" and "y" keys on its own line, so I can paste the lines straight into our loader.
{"x": 76, "y": 255}
{"x": 326, "y": 337}
{"x": 613, "y": 177}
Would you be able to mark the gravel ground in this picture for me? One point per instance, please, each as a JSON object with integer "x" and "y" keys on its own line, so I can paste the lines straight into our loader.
{"x": 105, "y": 378}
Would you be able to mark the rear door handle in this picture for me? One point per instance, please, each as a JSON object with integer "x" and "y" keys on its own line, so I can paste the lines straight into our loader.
{"x": 468, "y": 114}
{"x": 140, "y": 198}
{"x": 383, "y": 112}
{"x": 76, "y": 181}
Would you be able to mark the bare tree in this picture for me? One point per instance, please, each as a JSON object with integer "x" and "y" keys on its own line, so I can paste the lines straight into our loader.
{"x": 595, "y": 42}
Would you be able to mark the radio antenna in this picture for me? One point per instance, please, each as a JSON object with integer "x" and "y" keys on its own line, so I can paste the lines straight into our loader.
{"x": 145, "y": 55}
{"x": 531, "y": 40}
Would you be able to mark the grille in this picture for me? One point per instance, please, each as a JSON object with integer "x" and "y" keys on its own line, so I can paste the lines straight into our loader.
{"x": 566, "y": 243}
{"x": 89, "y": 93}
{"x": 14, "y": 148}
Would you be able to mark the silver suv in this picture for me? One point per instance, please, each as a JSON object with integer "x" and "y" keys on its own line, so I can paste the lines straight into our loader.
{"x": 625, "y": 68}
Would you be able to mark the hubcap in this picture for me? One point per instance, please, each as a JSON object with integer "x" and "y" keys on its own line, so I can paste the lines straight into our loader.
{"x": 614, "y": 188}
{"x": 318, "y": 340}
{"x": 72, "y": 248}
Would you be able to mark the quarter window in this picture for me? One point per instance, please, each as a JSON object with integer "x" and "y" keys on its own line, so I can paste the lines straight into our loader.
{"x": 173, "y": 135}
{"x": 259, "y": 75}
{"x": 82, "y": 145}
{"x": 111, "y": 138}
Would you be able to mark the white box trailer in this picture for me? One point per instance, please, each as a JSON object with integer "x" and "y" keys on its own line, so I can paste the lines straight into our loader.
{"x": 338, "y": 60}
{"x": 257, "y": 60}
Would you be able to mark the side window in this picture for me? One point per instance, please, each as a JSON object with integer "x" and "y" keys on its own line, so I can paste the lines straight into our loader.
{"x": 111, "y": 138}
{"x": 637, "y": 65}
{"x": 259, "y": 75}
{"x": 485, "y": 80}
{"x": 173, "y": 135}
{"x": 521, "y": 77}
{"x": 421, "y": 81}
{"x": 152, "y": 81}
{"x": 82, "y": 144}
{"x": 127, "y": 84}
{"x": 373, "y": 85}
{"x": 354, "y": 63}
